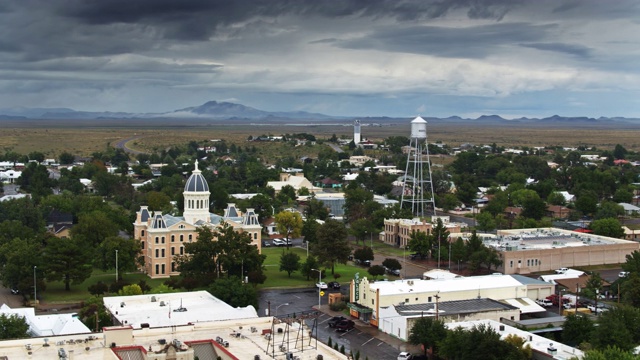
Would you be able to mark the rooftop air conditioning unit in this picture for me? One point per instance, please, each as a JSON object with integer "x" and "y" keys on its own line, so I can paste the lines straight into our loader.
{"x": 153, "y": 299}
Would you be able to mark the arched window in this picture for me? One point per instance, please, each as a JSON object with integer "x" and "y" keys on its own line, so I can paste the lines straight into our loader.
{"x": 173, "y": 238}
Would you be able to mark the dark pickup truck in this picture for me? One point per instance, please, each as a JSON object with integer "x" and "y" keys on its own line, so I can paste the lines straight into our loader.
{"x": 335, "y": 320}
{"x": 345, "y": 325}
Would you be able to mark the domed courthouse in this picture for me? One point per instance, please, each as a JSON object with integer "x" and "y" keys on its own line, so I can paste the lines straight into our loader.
{"x": 162, "y": 237}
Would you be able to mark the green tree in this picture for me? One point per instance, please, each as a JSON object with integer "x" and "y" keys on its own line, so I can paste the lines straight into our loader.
{"x": 307, "y": 268}
{"x": 128, "y": 254}
{"x": 361, "y": 229}
{"x": 607, "y": 227}
{"x": 619, "y": 152}
{"x": 66, "y": 158}
{"x": 479, "y": 342}
{"x": 234, "y": 292}
{"x": 392, "y": 264}
{"x": 133, "y": 289}
{"x": 94, "y": 314}
{"x": 485, "y": 222}
{"x": 630, "y": 289}
{"x": 363, "y": 254}
{"x": 376, "y": 270}
{"x": 289, "y": 262}
{"x": 610, "y": 353}
{"x": 421, "y": 243}
{"x": 289, "y": 223}
{"x": 13, "y": 326}
{"x": 577, "y": 329}
{"x": 609, "y": 209}
{"x": 587, "y": 202}
{"x": 428, "y": 332}
{"x": 555, "y": 198}
{"x": 18, "y": 259}
{"x": 199, "y": 260}
{"x": 67, "y": 260}
{"x": 449, "y": 202}
{"x": 616, "y": 327}
{"x": 93, "y": 228}
{"x": 310, "y": 230}
{"x": 332, "y": 246}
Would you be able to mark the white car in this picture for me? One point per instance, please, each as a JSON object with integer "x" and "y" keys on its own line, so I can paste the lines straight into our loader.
{"x": 404, "y": 356}
{"x": 544, "y": 302}
{"x": 278, "y": 242}
{"x": 322, "y": 285}
{"x": 562, "y": 270}
{"x": 623, "y": 274}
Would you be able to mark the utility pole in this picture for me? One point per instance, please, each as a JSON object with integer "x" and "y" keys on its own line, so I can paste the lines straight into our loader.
{"x": 35, "y": 288}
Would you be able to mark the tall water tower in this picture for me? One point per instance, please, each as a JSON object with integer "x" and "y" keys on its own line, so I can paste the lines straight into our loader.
{"x": 356, "y": 132}
{"x": 417, "y": 188}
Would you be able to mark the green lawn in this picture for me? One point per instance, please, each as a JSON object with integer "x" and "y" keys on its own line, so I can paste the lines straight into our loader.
{"x": 277, "y": 278}
{"x": 55, "y": 292}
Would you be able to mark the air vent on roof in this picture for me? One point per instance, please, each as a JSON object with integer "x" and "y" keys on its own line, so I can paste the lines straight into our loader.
{"x": 153, "y": 299}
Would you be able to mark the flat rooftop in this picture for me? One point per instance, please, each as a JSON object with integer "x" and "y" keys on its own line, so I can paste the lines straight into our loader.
{"x": 445, "y": 285}
{"x": 158, "y": 310}
{"x": 546, "y": 238}
{"x": 245, "y": 340}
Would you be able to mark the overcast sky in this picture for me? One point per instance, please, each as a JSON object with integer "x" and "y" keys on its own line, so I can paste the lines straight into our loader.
{"x": 338, "y": 57}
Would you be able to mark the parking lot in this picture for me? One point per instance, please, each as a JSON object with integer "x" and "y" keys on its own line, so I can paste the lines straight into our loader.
{"x": 365, "y": 338}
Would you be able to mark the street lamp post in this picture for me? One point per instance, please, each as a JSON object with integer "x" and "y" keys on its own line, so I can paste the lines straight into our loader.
{"x": 319, "y": 281}
{"x": 278, "y": 307}
{"x": 597, "y": 293}
{"x": 35, "y": 288}
{"x": 116, "y": 265}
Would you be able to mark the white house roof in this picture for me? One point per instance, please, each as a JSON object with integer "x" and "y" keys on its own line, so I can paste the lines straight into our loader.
{"x": 200, "y": 306}
{"x": 569, "y": 274}
{"x": 448, "y": 285}
{"x": 48, "y": 325}
{"x": 629, "y": 207}
{"x": 439, "y": 274}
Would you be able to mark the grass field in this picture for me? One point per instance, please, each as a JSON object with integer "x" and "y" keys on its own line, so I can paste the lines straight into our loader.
{"x": 85, "y": 137}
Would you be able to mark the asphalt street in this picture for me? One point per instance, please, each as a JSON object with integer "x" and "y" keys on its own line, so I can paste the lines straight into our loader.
{"x": 294, "y": 301}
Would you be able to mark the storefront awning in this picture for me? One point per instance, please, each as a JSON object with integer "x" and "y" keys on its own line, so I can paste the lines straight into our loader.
{"x": 359, "y": 308}
{"x": 525, "y": 305}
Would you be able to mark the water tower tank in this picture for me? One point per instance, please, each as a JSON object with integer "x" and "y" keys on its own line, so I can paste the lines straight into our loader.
{"x": 419, "y": 128}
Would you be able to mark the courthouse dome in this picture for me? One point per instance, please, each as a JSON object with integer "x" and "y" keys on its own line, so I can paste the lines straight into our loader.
{"x": 196, "y": 182}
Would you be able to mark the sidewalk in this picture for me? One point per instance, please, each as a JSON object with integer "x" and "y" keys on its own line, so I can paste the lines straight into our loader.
{"x": 374, "y": 332}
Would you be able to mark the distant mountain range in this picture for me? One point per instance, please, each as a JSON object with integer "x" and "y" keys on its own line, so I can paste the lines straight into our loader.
{"x": 214, "y": 110}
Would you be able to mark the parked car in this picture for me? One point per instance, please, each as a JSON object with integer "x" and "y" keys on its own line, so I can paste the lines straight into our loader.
{"x": 265, "y": 243}
{"x": 345, "y": 325}
{"x": 334, "y": 285}
{"x": 623, "y": 274}
{"x": 321, "y": 285}
{"x": 404, "y": 356}
{"x": 544, "y": 302}
{"x": 15, "y": 291}
{"x": 366, "y": 263}
{"x": 597, "y": 310}
{"x": 335, "y": 320}
{"x": 278, "y": 242}
{"x": 395, "y": 272}
{"x": 562, "y": 270}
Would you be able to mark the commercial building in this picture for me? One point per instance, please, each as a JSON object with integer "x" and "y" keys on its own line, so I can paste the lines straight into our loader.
{"x": 172, "y": 309}
{"x": 525, "y": 251}
{"x": 162, "y": 236}
{"x": 397, "y": 232}
{"x": 255, "y": 338}
{"x": 368, "y": 298}
{"x": 398, "y": 320}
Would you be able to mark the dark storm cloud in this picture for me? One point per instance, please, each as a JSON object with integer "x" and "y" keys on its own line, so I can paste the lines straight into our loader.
{"x": 199, "y": 19}
{"x": 470, "y": 42}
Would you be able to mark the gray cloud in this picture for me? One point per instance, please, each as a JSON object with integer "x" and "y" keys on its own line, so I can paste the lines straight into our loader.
{"x": 471, "y": 42}
{"x": 570, "y": 49}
